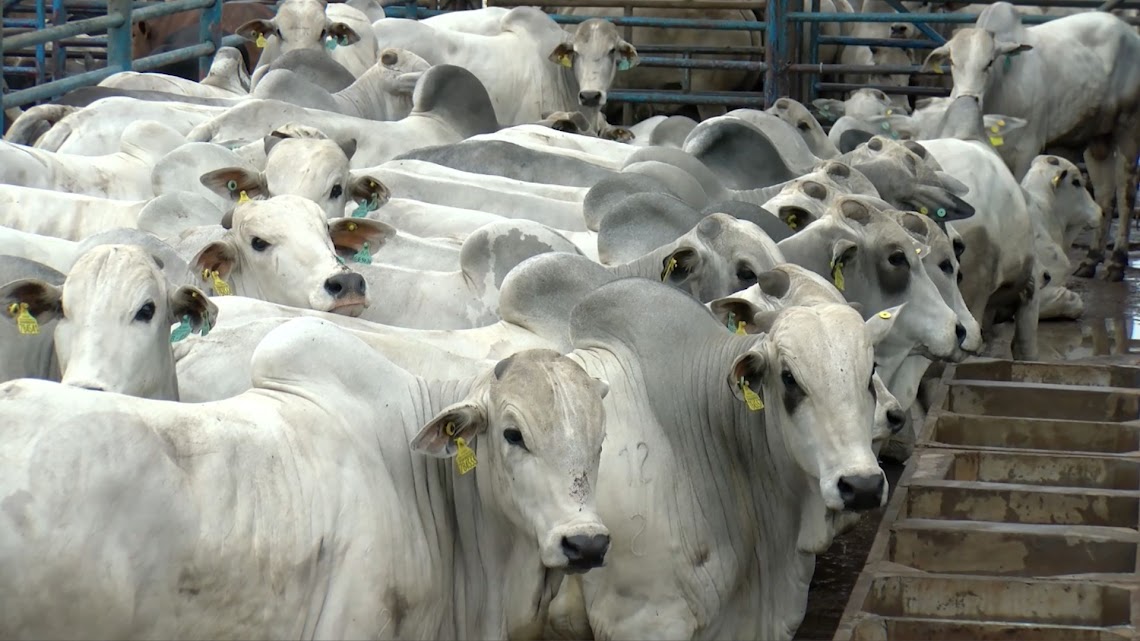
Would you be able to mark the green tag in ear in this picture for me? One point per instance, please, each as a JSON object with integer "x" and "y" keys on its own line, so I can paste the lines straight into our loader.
{"x": 330, "y": 44}
{"x": 363, "y": 256}
{"x": 837, "y": 274}
{"x": 205, "y": 327}
{"x": 340, "y": 260}
{"x": 364, "y": 207}
{"x": 623, "y": 64}
{"x": 182, "y": 331}
{"x": 1008, "y": 63}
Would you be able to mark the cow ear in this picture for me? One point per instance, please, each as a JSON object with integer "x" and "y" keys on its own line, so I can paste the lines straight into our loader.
{"x": 748, "y": 371}
{"x": 44, "y": 300}
{"x": 348, "y": 147}
{"x": 231, "y": 181}
{"x": 343, "y": 34}
{"x": 829, "y": 108}
{"x": 878, "y": 325}
{"x": 563, "y": 55}
{"x": 369, "y": 189}
{"x": 774, "y": 282}
{"x": 349, "y": 234}
{"x": 735, "y": 313}
{"x": 464, "y": 420}
{"x": 998, "y": 127}
{"x": 406, "y": 82}
{"x": 192, "y": 302}
{"x": 254, "y": 28}
{"x": 935, "y": 59}
{"x": 219, "y": 256}
{"x": 678, "y": 266}
{"x": 628, "y": 56}
{"x": 796, "y": 218}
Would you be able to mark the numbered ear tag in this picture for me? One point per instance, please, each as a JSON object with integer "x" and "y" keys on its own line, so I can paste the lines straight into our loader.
{"x": 182, "y": 331}
{"x": 669, "y": 267}
{"x": 624, "y": 65}
{"x": 26, "y": 324}
{"x": 791, "y": 222}
{"x": 740, "y": 328}
{"x": 364, "y": 257}
{"x": 997, "y": 141}
{"x": 565, "y": 61}
{"x": 751, "y": 398}
{"x": 260, "y": 42}
{"x": 465, "y": 458}
{"x": 1056, "y": 180}
{"x": 331, "y": 44}
{"x": 364, "y": 207}
{"x": 243, "y": 197}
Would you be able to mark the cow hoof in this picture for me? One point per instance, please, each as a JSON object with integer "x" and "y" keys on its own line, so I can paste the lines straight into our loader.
{"x": 1113, "y": 272}
{"x": 1087, "y": 269}
{"x": 618, "y": 134}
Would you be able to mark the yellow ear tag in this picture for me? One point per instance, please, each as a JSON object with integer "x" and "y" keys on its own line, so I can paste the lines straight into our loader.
{"x": 669, "y": 267}
{"x": 751, "y": 399}
{"x": 1001, "y": 123}
{"x": 25, "y": 323}
{"x": 565, "y": 61}
{"x": 1056, "y": 180}
{"x": 740, "y": 328}
{"x": 890, "y": 111}
{"x": 350, "y": 227}
{"x": 221, "y": 287}
{"x": 791, "y": 222}
{"x": 260, "y": 42}
{"x": 243, "y": 197}
{"x": 938, "y": 70}
{"x": 837, "y": 275}
{"x": 465, "y": 457}
{"x": 997, "y": 141}
{"x": 995, "y": 128}
{"x": 884, "y": 315}
{"x": 924, "y": 211}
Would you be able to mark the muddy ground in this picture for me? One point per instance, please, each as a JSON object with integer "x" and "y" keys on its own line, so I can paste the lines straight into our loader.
{"x": 1108, "y": 332}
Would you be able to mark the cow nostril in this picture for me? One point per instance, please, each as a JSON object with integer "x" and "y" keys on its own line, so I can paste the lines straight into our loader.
{"x": 1047, "y": 277}
{"x": 347, "y": 284}
{"x": 895, "y": 420}
{"x": 584, "y": 552}
{"x": 960, "y": 332}
{"x": 589, "y": 98}
{"x": 861, "y": 492}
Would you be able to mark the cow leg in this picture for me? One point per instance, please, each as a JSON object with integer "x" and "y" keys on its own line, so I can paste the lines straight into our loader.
{"x": 1102, "y": 176}
{"x": 1126, "y": 174}
{"x": 1024, "y": 347}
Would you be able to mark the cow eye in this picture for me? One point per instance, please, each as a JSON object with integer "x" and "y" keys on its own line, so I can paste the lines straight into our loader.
{"x": 947, "y": 267}
{"x": 145, "y": 313}
{"x": 514, "y": 437}
{"x": 613, "y": 50}
{"x": 788, "y": 379}
{"x": 897, "y": 258}
{"x": 258, "y": 244}
{"x": 336, "y": 192}
{"x": 745, "y": 274}
{"x": 1076, "y": 182}
{"x": 803, "y": 126}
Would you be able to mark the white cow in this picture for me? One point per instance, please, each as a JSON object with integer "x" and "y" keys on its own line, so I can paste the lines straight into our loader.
{"x": 1076, "y": 80}
{"x": 298, "y": 25}
{"x": 96, "y": 129}
{"x": 227, "y": 79}
{"x": 398, "y": 546}
{"x": 280, "y": 250}
{"x": 449, "y": 105}
{"x": 123, "y": 175}
{"x": 762, "y": 468}
{"x": 115, "y": 335}
{"x": 532, "y": 67}
{"x": 1061, "y": 208}
{"x": 485, "y": 22}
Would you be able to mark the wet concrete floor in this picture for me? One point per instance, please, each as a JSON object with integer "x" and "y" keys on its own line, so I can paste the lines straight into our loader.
{"x": 1108, "y": 332}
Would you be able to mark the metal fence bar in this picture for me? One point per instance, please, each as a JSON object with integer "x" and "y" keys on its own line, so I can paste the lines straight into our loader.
{"x": 119, "y": 37}
{"x": 636, "y": 4}
{"x": 737, "y": 98}
{"x": 209, "y": 30}
{"x": 69, "y": 30}
{"x": 689, "y": 63}
{"x": 924, "y": 28}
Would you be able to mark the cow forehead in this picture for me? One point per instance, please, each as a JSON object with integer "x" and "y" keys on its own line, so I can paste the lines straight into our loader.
{"x": 110, "y": 273}
{"x": 305, "y": 159}
{"x": 278, "y": 216}
{"x": 595, "y": 34}
{"x": 554, "y": 394}
{"x": 298, "y": 14}
{"x": 813, "y": 341}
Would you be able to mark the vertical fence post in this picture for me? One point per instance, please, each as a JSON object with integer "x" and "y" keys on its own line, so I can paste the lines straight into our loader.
{"x": 775, "y": 52}
{"x": 119, "y": 38}
{"x": 209, "y": 30}
{"x": 41, "y": 56}
{"x": 813, "y": 57}
{"x": 59, "y": 52}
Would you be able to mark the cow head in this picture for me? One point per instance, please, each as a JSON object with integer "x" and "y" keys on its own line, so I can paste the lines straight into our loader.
{"x": 717, "y": 257}
{"x": 539, "y": 423}
{"x": 280, "y": 250}
{"x": 1069, "y": 207}
{"x": 595, "y": 53}
{"x": 299, "y": 24}
{"x": 309, "y": 167}
{"x": 114, "y": 314}
{"x": 975, "y": 58}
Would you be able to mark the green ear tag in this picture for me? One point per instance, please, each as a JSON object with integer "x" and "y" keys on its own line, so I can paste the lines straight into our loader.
{"x": 330, "y": 44}
{"x": 363, "y": 256}
{"x": 182, "y": 331}
{"x": 364, "y": 207}
{"x": 731, "y": 324}
{"x": 1007, "y": 63}
{"x": 340, "y": 260}
{"x": 231, "y": 185}
{"x": 205, "y": 327}
{"x": 941, "y": 213}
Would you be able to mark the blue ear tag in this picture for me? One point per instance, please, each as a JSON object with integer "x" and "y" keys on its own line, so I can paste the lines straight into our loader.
{"x": 1008, "y": 63}
{"x": 623, "y": 64}
{"x": 205, "y": 327}
{"x": 364, "y": 207}
{"x": 182, "y": 331}
{"x": 941, "y": 213}
{"x": 731, "y": 321}
{"x": 331, "y": 44}
{"x": 363, "y": 256}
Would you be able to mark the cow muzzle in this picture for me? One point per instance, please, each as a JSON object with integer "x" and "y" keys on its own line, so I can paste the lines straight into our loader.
{"x": 585, "y": 552}
{"x": 591, "y": 98}
{"x": 861, "y": 492}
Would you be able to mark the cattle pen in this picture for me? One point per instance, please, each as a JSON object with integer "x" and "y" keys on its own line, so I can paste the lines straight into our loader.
{"x": 1017, "y": 513}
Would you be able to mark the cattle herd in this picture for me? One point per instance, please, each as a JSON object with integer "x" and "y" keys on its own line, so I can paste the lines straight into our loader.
{"x": 398, "y": 337}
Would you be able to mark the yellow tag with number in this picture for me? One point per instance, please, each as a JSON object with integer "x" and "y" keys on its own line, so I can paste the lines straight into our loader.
{"x": 221, "y": 287}
{"x": 565, "y": 61}
{"x": 740, "y": 328}
{"x": 997, "y": 141}
{"x": 26, "y": 324}
{"x": 465, "y": 459}
{"x": 243, "y": 197}
{"x": 837, "y": 275}
{"x": 669, "y": 267}
{"x": 260, "y": 42}
{"x": 751, "y": 399}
